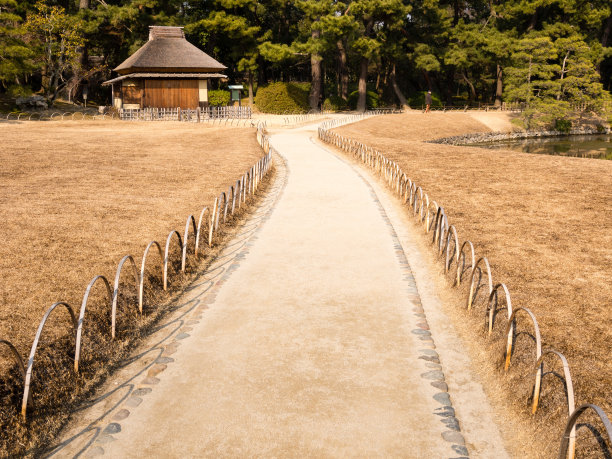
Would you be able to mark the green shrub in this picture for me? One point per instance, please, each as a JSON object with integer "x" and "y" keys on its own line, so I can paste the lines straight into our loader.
{"x": 371, "y": 100}
{"x": 518, "y": 123}
{"x": 335, "y": 103}
{"x": 218, "y": 97}
{"x": 418, "y": 100}
{"x": 547, "y": 114}
{"x": 563, "y": 125}
{"x": 281, "y": 98}
{"x": 16, "y": 91}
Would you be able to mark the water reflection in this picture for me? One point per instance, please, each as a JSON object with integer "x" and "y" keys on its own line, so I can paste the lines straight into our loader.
{"x": 582, "y": 146}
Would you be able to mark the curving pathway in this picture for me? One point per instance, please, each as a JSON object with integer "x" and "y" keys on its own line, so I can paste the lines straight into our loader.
{"x": 311, "y": 340}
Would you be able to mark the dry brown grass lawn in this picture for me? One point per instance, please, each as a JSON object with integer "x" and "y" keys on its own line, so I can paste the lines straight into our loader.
{"x": 545, "y": 224}
{"x": 75, "y": 198}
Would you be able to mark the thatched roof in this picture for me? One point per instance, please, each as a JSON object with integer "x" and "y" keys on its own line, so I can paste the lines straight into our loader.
{"x": 168, "y": 51}
{"x": 169, "y": 76}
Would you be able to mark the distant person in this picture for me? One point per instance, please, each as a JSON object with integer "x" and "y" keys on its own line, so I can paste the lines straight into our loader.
{"x": 427, "y": 102}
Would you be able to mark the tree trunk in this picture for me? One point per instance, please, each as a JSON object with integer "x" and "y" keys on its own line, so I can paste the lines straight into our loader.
{"x": 323, "y": 80}
{"x": 427, "y": 79}
{"x": 499, "y": 88}
{"x": 77, "y": 78}
{"x": 363, "y": 79}
{"x": 534, "y": 21}
{"x": 528, "y": 96}
{"x": 472, "y": 90}
{"x": 604, "y": 39}
{"x": 562, "y": 75}
{"x": 606, "y": 32}
{"x": 315, "y": 68}
{"x": 47, "y": 73}
{"x": 456, "y": 7}
{"x": 381, "y": 76}
{"x": 251, "y": 99}
{"x": 450, "y": 84}
{"x": 396, "y": 88}
{"x": 363, "y": 74}
{"x": 262, "y": 78}
{"x": 338, "y": 75}
{"x": 343, "y": 77}
{"x": 57, "y": 77}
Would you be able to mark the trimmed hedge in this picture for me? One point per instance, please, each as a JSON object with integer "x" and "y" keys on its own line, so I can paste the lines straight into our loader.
{"x": 371, "y": 100}
{"x": 218, "y": 97}
{"x": 335, "y": 103}
{"x": 280, "y": 98}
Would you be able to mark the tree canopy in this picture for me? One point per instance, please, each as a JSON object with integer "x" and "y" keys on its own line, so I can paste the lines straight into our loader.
{"x": 546, "y": 54}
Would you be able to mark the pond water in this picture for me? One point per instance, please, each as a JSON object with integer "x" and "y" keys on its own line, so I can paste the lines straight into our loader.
{"x": 582, "y": 146}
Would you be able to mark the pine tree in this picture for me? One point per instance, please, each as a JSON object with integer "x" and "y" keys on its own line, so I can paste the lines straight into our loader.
{"x": 467, "y": 52}
{"x": 498, "y": 46}
{"x": 554, "y": 73}
{"x": 374, "y": 17}
{"x": 428, "y": 29}
{"x": 236, "y": 22}
{"x": 56, "y": 38}
{"x": 16, "y": 58}
{"x": 456, "y": 47}
{"x": 340, "y": 29}
{"x": 315, "y": 43}
{"x": 533, "y": 69}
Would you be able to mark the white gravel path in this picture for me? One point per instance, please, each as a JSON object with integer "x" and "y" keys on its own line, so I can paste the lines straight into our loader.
{"x": 310, "y": 341}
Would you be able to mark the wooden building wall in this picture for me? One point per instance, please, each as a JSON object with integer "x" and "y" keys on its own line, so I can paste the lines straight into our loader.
{"x": 171, "y": 93}
{"x": 132, "y": 94}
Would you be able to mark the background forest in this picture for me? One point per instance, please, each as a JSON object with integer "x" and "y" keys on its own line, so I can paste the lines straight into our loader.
{"x": 551, "y": 55}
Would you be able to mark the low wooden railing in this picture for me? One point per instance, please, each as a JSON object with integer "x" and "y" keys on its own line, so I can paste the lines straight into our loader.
{"x": 191, "y": 115}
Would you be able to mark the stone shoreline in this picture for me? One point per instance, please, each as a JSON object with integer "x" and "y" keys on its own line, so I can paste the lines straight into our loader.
{"x": 486, "y": 137}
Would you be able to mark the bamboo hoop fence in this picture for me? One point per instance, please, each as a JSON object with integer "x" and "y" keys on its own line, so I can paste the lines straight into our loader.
{"x": 291, "y": 120}
{"x": 169, "y": 114}
{"x": 433, "y": 218}
{"x": 207, "y": 226}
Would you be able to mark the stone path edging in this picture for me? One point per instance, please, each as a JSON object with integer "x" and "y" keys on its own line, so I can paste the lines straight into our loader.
{"x": 435, "y": 376}
{"x": 427, "y": 406}
{"x": 170, "y": 344}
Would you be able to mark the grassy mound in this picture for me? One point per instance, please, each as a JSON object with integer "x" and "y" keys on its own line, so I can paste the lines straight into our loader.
{"x": 280, "y": 98}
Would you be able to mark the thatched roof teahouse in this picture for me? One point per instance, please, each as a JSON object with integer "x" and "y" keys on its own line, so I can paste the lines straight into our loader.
{"x": 167, "y": 72}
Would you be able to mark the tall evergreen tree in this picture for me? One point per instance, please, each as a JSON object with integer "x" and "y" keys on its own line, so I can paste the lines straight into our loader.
{"x": 315, "y": 44}
{"x": 374, "y": 18}
{"x": 428, "y": 28}
{"x": 56, "y": 38}
{"x": 16, "y": 58}
{"x": 239, "y": 23}
{"x": 340, "y": 29}
{"x": 470, "y": 50}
